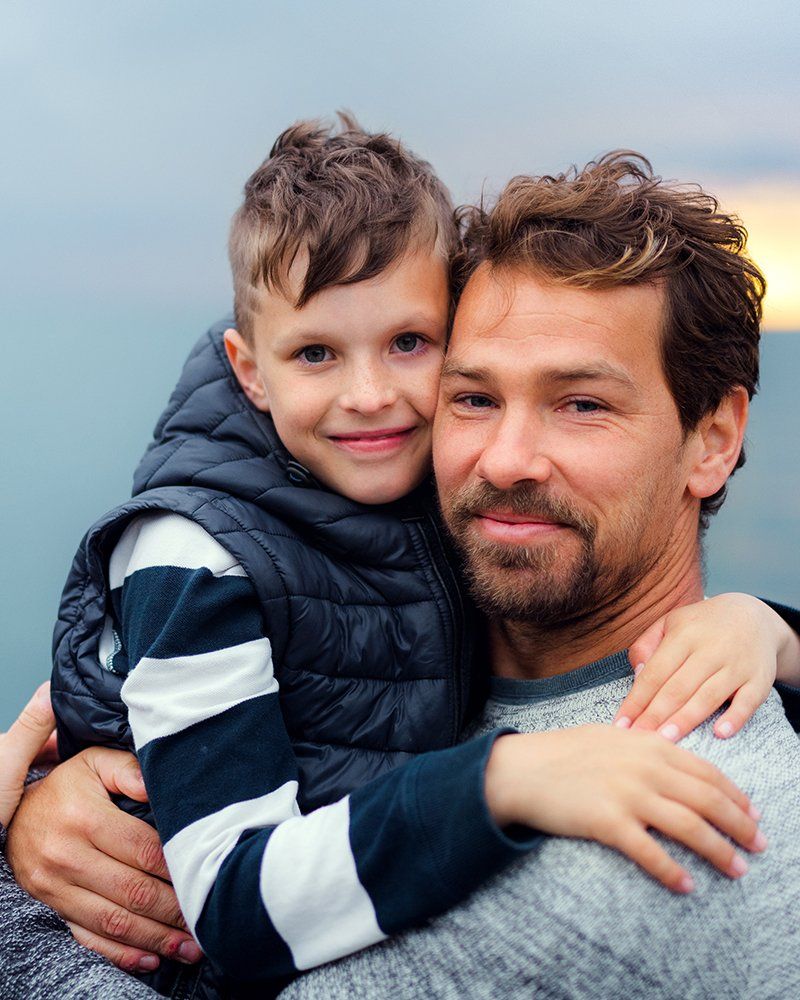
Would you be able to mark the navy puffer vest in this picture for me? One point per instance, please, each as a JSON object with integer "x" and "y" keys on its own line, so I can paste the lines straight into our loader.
{"x": 360, "y": 603}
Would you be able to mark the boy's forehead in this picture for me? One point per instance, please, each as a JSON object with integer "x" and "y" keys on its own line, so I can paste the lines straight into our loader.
{"x": 412, "y": 291}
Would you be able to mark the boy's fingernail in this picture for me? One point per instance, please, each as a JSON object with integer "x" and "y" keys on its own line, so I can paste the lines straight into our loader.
{"x": 738, "y": 866}
{"x": 147, "y": 963}
{"x": 671, "y": 732}
{"x": 725, "y": 729}
{"x": 754, "y": 812}
{"x": 686, "y": 884}
{"x": 759, "y": 842}
{"x": 623, "y": 722}
{"x": 638, "y": 669}
{"x": 189, "y": 952}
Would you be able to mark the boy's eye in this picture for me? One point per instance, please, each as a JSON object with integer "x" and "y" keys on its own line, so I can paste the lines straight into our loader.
{"x": 315, "y": 354}
{"x": 407, "y": 343}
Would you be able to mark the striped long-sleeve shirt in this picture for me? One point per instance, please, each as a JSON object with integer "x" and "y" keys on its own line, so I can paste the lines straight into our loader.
{"x": 266, "y": 890}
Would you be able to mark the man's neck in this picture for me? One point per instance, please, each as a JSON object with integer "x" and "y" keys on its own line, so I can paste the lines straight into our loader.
{"x": 521, "y": 649}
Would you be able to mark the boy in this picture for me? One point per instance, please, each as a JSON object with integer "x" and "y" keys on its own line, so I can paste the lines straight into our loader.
{"x": 301, "y": 545}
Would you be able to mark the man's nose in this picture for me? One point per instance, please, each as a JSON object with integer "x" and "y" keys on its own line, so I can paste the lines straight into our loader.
{"x": 369, "y": 391}
{"x": 515, "y": 454}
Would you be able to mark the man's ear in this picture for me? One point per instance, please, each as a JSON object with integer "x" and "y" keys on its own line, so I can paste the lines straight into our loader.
{"x": 243, "y": 361}
{"x": 719, "y": 440}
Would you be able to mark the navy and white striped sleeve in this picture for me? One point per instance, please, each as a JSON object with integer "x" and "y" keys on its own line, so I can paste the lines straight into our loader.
{"x": 265, "y": 890}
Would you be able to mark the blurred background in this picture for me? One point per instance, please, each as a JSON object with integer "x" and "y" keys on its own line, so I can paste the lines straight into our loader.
{"x": 129, "y": 129}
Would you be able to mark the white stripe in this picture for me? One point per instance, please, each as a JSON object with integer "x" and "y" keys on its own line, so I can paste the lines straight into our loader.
{"x": 166, "y": 539}
{"x": 311, "y": 890}
{"x": 166, "y": 696}
{"x": 194, "y": 855}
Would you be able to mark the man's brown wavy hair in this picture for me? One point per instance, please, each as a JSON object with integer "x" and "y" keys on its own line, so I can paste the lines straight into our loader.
{"x": 616, "y": 223}
{"x": 347, "y": 202}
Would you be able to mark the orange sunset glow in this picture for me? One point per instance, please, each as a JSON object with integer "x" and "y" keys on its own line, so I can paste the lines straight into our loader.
{"x": 771, "y": 213}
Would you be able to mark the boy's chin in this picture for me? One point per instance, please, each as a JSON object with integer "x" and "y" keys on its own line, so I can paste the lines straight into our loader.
{"x": 375, "y": 490}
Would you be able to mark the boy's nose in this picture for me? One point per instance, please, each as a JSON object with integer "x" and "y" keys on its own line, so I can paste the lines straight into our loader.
{"x": 369, "y": 394}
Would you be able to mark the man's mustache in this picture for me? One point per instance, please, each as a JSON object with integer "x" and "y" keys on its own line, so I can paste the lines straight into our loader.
{"x": 524, "y": 500}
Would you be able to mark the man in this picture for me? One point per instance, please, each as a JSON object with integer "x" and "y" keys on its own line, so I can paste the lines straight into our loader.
{"x": 593, "y": 406}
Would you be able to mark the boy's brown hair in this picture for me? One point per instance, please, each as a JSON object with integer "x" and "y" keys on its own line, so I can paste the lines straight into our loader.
{"x": 346, "y": 202}
{"x": 616, "y": 223}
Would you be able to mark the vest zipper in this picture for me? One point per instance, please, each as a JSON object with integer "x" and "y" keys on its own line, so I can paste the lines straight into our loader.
{"x": 444, "y": 574}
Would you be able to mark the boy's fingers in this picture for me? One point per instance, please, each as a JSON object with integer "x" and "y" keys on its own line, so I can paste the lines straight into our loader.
{"x": 663, "y": 664}
{"x": 712, "y": 804}
{"x": 641, "y": 848}
{"x": 679, "y": 707}
{"x": 742, "y": 708}
{"x": 123, "y": 956}
{"x": 685, "y": 826}
{"x": 645, "y": 646}
{"x": 690, "y": 763}
{"x": 676, "y": 691}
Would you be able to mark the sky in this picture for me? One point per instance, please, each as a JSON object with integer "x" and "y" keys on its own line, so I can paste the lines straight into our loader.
{"x": 129, "y": 128}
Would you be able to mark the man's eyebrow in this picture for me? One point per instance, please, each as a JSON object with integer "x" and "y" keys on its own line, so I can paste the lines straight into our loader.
{"x": 452, "y": 370}
{"x": 599, "y": 371}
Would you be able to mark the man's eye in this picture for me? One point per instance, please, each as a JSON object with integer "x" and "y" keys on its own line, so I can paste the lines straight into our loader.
{"x": 475, "y": 401}
{"x": 314, "y": 354}
{"x": 585, "y": 405}
{"x": 408, "y": 343}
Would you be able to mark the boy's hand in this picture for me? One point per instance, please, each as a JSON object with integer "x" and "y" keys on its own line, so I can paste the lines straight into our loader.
{"x": 100, "y": 868}
{"x": 610, "y": 785}
{"x": 698, "y": 657}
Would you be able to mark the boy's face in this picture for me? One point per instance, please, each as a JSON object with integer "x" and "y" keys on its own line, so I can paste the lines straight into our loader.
{"x": 351, "y": 378}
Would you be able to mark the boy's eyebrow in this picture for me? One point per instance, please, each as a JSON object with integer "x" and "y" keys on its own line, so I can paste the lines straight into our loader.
{"x": 597, "y": 371}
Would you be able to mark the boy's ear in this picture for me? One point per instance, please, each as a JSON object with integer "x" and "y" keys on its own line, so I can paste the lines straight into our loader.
{"x": 243, "y": 361}
{"x": 719, "y": 440}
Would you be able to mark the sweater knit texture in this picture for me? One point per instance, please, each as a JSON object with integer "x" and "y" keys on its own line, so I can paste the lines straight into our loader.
{"x": 576, "y": 919}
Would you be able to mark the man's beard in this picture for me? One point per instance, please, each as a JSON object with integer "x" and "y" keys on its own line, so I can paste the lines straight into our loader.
{"x": 549, "y": 585}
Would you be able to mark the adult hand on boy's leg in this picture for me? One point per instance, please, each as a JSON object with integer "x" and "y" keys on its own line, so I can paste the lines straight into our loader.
{"x": 101, "y": 869}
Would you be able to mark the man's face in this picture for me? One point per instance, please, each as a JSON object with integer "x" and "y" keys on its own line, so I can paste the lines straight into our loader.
{"x": 351, "y": 378}
{"x": 559, "y": 455}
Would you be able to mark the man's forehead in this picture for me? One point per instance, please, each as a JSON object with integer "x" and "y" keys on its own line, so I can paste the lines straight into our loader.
{"x": 518, "y": 306}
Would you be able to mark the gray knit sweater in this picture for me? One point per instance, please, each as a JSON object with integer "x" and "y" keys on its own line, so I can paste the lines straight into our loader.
{"x": 575, "y": 919}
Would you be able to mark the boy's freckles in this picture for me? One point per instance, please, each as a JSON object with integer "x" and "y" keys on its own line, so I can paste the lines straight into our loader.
{"x": 351, "y": 378}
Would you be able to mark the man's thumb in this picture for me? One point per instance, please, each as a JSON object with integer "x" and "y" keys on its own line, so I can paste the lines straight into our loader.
{"x": 119, "y": 772}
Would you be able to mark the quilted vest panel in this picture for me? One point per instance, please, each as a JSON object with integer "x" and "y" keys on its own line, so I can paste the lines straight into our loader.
{"x": 369, "y": 633}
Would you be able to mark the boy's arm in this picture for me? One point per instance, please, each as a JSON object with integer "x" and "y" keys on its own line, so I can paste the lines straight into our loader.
{"x": 265, "y": 890}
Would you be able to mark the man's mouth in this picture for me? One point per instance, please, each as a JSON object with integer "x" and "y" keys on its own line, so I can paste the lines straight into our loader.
{"x": 504, "y": 526}
{"x": 381, "y": 440}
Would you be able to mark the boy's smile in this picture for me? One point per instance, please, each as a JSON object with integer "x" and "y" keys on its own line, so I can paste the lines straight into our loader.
{"x": 351, "y": 378}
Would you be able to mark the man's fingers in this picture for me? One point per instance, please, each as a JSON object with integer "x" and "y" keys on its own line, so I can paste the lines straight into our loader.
{"x": 118, "y": 771}
{"x": 742, "y": 708}
{"x": 123, "y": 956}
{"x": 134, "y": 890}
{"x": 48, "y": 755}
{"x": 112, "y": 922}
{"x": 640, "y": 847}
{"x": 130, "y": 841}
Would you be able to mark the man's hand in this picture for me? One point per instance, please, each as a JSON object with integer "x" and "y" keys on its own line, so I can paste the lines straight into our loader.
{"x": 611, "y": 785}
{"x": 100, "y": 868}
